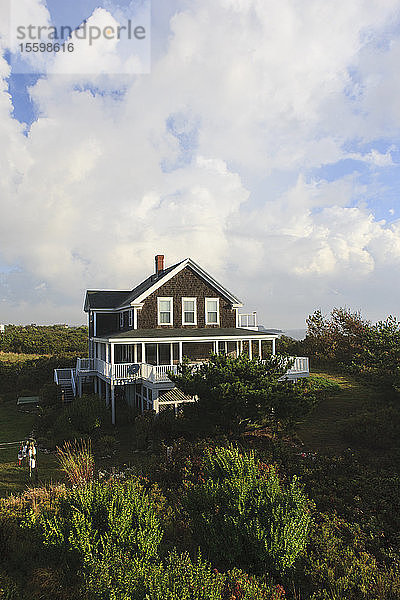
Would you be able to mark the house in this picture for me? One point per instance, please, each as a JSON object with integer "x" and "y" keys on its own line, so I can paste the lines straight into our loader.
{"x": 138, "y": 336}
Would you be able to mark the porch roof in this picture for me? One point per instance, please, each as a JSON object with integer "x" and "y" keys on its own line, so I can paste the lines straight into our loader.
{"x": 189, "y": 334}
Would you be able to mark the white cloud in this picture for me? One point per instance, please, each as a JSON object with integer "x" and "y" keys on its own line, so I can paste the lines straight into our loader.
{"x": 256, "y": 90}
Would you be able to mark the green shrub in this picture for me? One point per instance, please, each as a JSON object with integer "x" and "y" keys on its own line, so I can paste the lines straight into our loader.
{"x": 105, "y": 445}
{"x": 94, "y": 521}
{"x": 243, "y": 516}
{"x": 339, "y": 567}
{"x": 84, "y": 417}
{"x": 323, "y": 384}
{"x": 87, "y": 414}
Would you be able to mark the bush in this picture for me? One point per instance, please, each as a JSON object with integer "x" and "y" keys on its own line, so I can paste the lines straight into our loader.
{"x": 338, "y": 565}
{"x": 96, "y": 520}
{"x": 323, "y": 384}
{"x": 106, "y": 445}
{"x": 233, "y": 392}
{"x": 84, "y": 417}
{"x": 243, "y": 516}
{"x": 151, "y": 429}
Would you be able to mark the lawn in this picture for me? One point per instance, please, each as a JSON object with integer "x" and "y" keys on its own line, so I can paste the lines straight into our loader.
{"x": 16, "y": 425}
{"x": 321, "y": 431}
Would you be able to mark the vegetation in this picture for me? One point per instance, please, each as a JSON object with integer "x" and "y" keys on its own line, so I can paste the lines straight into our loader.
{"x": 344, "y": 340}
{"x": 233, "y": 392}
{"x": 44, "y": 339}
{"x": 285, "y": 495}
{"x": 264, "y": 524}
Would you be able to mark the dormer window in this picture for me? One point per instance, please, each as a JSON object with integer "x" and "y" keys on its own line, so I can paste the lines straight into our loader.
{"x": 131, "y": 318}
{"x": 212, "y": 311}
{"x": 189, "y": 312}
{"x": 165, "y": 311}
{"x": 121, "y": 320}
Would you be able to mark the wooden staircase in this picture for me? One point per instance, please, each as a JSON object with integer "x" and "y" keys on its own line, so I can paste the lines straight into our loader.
{"x": 65, "y": 379}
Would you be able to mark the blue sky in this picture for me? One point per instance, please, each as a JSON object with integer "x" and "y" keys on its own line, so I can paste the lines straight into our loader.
{"x": 264, "y": 143}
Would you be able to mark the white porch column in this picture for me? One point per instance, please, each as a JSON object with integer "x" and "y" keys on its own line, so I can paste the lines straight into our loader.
{"x": 112, "y": 403}
{"x": 241, "y": 346}
{"x": 237, "y": 349}
{"x": 273, "y": 346}
{"x": 156, "y": 405}
{"x": 226, "y": 348}
{"x": 250, "y": 350}
{"x": 171, "y": 354}
{"x": 180, "y": 352}
{"x": 260, "y": 349}
{"x": 111, "y": 373}
{"x": 215, "y": 347}
{"x": 107, "y": 395}
{"x": 143, "y": 352}
{"x": 135, "y": 353}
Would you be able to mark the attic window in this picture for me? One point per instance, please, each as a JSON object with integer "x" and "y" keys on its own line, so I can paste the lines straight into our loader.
{"x": 164, "y": 311}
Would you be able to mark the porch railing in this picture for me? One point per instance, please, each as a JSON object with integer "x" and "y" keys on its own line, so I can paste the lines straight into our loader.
{"x": 153, "y": 373}
{"x": 301, "y": 365}
{"x": 248, "y": 321}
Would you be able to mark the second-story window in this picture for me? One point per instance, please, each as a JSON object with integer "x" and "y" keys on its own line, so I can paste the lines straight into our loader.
{"x": 189, "y": 313}
{"x": 130, "y": 318}
{"x": 121, "y": 320}
{"x": 212, "y": 311}
{"x": 165, "y": 311}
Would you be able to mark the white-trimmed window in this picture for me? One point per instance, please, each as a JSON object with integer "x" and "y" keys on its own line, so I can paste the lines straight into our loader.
{"x": 212, "y": 311}
{"x": 165, "y": 316}
{"x": 121, "y": 320}
{"x": 131, "y": 318}
{"x": 189, "y": 311}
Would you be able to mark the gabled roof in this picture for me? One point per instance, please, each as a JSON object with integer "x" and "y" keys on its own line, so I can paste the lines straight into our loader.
{"x": 151, "y": 285}
{"x": 148, "y": 283}
{"x": 99, "y": 299}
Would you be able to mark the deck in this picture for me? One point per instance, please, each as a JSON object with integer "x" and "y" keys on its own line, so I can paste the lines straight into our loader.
{"x": 130, "y": 372}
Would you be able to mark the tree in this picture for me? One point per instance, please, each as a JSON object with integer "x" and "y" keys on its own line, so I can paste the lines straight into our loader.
{"x": 232, "y": 392}
{"x": 380, "y": 357}
{"x": 339, "y": 338}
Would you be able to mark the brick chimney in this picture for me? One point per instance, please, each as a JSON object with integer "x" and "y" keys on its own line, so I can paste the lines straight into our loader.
{"x": 159, "y": 260}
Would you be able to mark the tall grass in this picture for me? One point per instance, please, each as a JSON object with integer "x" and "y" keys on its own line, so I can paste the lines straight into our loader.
{"x": 76, "y": 460}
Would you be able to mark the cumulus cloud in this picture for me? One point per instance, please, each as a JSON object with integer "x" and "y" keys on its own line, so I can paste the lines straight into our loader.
{"x": 215, "y": 155}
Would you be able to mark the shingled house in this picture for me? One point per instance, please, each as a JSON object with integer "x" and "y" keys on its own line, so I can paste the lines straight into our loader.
{"x": 138, "y": 336}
